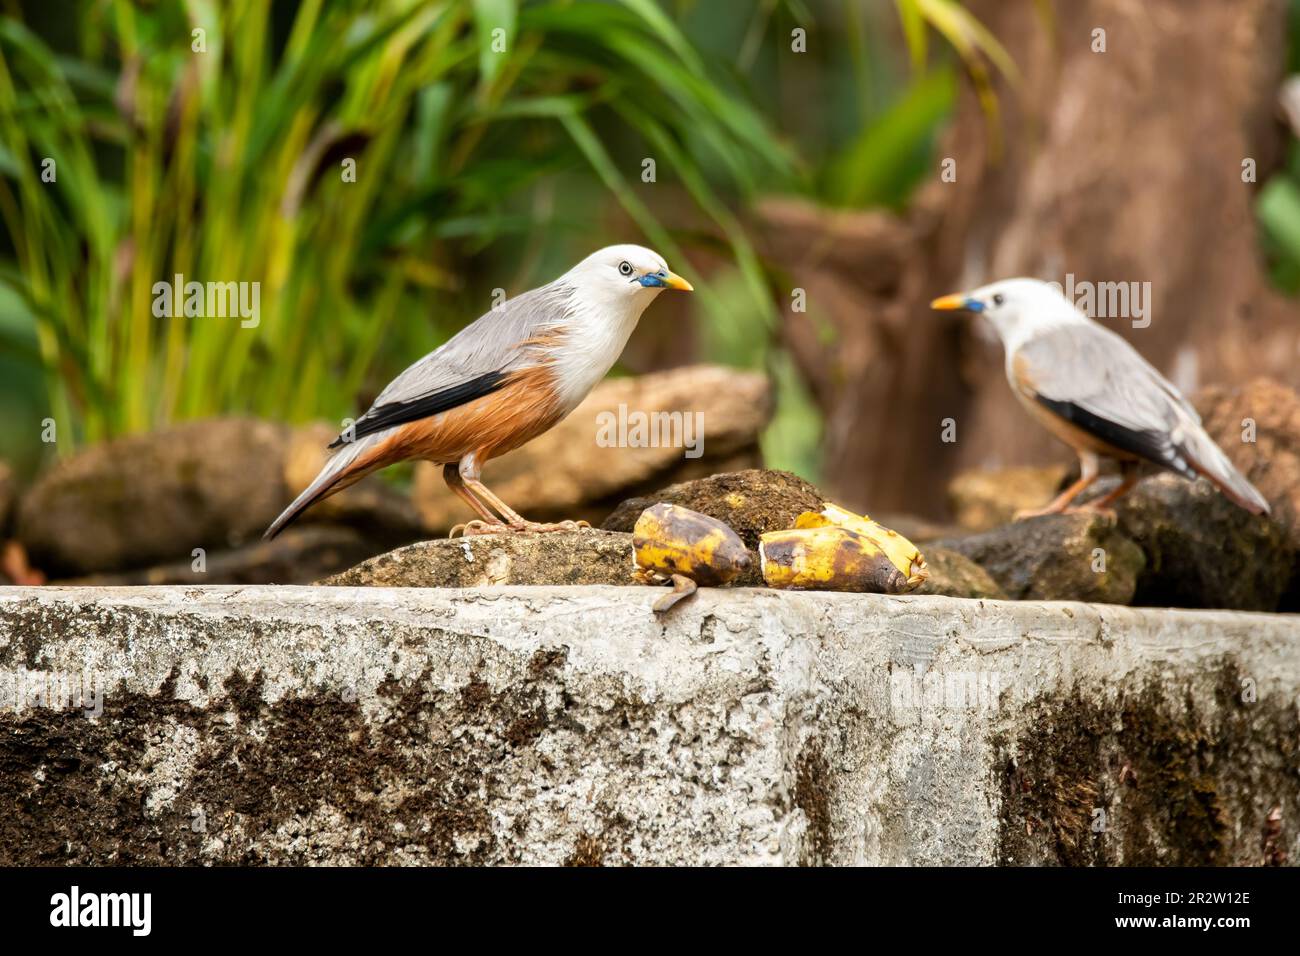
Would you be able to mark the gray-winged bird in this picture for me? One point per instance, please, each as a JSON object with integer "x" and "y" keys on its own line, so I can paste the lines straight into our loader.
{"x": 498, "y": 383}
{"x": 1092, "y": 390}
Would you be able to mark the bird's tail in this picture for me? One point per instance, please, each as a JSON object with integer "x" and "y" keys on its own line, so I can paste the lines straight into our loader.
{"x": 1208, "y": 459}
{"x": 345, "y": 467}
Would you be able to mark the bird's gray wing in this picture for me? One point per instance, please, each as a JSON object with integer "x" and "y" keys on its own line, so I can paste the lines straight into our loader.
{"x": 1094, "y": 379}
{"x": 1097, "y": 381}
{"x": 475, "y": 362}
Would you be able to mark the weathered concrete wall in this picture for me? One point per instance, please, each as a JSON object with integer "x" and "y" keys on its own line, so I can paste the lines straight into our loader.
{"x": 553, "y": 725}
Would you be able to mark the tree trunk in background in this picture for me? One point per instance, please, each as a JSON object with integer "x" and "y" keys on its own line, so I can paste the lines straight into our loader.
{"x": 1122, "y": 166}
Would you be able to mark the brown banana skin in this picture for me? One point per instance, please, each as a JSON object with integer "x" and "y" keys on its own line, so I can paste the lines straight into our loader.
{"x": 828, "y": 559}
{"x": 672, "y": 543}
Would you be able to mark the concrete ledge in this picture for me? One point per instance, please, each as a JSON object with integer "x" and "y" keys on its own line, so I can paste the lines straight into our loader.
{"x": 569, "y": 725}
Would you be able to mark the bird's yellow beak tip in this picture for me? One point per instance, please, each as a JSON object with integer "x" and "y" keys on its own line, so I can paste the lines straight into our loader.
{"x": 674, "y": 281}
{"x": 949, "y": 303}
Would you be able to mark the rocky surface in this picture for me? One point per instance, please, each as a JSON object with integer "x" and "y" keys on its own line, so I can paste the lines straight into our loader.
{"x": 1258, "y": 427}
{"x": 134, "y": 509}
{"x": 955, "y": 575}
{"x": 586, "y": 557}
{"x": 1074, "y": 557}
{"x": 292, "y": 725}
{"x": 148, "y": 499}
{"x": 575, "y": 471}
{"x": 1198, "y": 548}
{"x": 300, "y": 555}
{"x": 580, "y": 557}
{"x": 1201, "y": 549}
{"x": 982, "y": 500}
{"x": 751, "y": 502}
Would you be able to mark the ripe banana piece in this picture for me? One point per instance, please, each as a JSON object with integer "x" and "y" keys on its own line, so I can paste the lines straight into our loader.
{"x": 828, "y": 558}
{"x": 902, "y": 553}
{"x": 672, "y": 543}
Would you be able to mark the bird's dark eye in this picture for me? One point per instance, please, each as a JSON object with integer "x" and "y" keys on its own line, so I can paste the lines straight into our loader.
{"x": 625, "y": 268}
{"x": 999, "y": 299}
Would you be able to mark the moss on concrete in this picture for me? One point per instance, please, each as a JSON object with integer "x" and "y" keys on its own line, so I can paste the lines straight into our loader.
{"x": 1150, "y": 777}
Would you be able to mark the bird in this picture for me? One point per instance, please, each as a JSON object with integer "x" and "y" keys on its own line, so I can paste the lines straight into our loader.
{"x": 1095, "y": 392}
{"x": 504, "y": 379}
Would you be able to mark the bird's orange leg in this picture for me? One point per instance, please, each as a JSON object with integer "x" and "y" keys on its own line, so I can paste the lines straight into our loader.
{"x": 1129, "y": 473}
{"x": 1090, "y": 471}
{"x": 486, "y": 523}
{"x": 469, "y": 474}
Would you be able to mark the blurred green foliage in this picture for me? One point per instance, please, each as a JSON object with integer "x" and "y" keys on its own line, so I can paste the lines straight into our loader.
{"x": 224, "y": 164}
{"x": 494, "y": 141}
{"x": 1278, "y": 203}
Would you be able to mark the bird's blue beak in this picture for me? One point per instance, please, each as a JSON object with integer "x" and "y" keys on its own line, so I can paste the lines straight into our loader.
{"x": 957, "y": 303}
{"x": 663, "y": 279}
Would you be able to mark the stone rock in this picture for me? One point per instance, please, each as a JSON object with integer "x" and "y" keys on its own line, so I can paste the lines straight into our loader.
{"x": 985, "y": 499}
{"x": 1201, "y": 549}
{"x": 1073, "y": 557}
{"x": 143, "y": 504}
{"x": 150, "y": 499}
{"x": 299, "y": 555}
{"x": 952, "y": 574}
{"x": 580, "y": 557}
{"x": 542, "y": 726}
{"x": 586, "y": 557}
{"x": 751, "y": 502}
{"x": 1272, "y": 461}
{"x": 569, "y": 473}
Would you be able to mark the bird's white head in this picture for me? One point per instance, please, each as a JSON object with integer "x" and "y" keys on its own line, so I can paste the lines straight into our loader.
{"x": 603, "y": 298}
{"x": 619, "y": 277}
{"x": 1016, "y": 308}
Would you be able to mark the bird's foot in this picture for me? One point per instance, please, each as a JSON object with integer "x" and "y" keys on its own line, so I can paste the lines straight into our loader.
{"x": 1100, "y": 510}
{"x": 542, "y": 527}
{"x": 1038, "y": 513}
{"x": 476, "y": 527}
{"x": 1088, "y": 509}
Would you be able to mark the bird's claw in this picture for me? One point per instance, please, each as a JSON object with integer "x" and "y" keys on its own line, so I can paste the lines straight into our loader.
{"x": 1102, "y": 511}
{"x": 542, "y": 527}
{"x": 476, "y": 527}
{"x": 1026, "y": 513}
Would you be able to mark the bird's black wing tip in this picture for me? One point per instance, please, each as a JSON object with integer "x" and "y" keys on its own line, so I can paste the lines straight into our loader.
{"x": 381, "y": 417}
{"x": 1143, "y": 444}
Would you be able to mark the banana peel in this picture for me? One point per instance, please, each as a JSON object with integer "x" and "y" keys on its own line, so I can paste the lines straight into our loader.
{"x": 827, "y": 558}
{"x": 903, "y": 554}
{"x": 675, "y": 544}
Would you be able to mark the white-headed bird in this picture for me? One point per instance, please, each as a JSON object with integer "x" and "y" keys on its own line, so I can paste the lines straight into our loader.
{"x": 500, "y": 382}
{"x": 1093, "y": 390}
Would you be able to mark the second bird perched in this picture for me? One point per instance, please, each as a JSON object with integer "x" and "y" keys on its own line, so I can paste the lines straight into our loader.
{"x": 500, "y": 382}
{"x": 1093, "y": 390}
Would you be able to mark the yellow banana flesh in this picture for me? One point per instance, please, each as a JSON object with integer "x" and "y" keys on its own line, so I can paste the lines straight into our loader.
{"x": 827, "y": 558}
{"x": 902, "y": 553}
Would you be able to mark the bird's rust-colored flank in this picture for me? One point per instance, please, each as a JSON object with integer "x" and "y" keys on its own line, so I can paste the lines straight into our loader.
{"x": 486, "y": 427}
{"x": 1074, "y": 436}
{"x": 1023, "y": 386}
